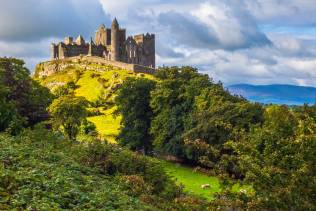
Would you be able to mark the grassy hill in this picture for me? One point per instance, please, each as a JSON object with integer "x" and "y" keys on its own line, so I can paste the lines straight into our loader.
{"x": 98, "y": 84}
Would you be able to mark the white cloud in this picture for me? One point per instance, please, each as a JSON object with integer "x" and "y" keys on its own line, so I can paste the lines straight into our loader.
{"x": 284, "y": 12}
{"x": 224, "y": 38}
{"x": 35, "y": 20}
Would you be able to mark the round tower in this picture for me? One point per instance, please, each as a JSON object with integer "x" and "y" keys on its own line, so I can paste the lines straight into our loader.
{"x": 115, "y": 41}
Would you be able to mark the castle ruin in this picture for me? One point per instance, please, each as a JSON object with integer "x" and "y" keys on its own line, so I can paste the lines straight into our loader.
{"x": 110, "y": 44}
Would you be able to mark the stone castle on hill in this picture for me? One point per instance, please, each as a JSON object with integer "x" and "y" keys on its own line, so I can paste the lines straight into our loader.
{"x": 110, "y": 44}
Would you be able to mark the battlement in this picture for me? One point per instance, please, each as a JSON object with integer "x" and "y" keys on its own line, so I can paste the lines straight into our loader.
{"x": 141, "y": 38}
{"x": 110, "y": 44}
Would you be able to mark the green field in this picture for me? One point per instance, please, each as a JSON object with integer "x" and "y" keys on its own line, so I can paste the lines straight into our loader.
{"x": 192, "y": 181}
{"x": 107, "y": 125}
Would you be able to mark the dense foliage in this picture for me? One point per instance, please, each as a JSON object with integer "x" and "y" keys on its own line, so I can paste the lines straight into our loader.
{"x": 279, "y": 160}
{"x": 133, "y": 103}
{"x": 172, "y": 103}
{"x": 189, "y": 115}
{"x": 69, "y": 113}
{"x": 271, "y": 148}
{"x": 40, "y": 170}
{"x": 23, "y": 101}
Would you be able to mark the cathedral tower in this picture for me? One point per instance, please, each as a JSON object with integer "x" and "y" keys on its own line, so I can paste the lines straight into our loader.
{"x": 115, "y": 45}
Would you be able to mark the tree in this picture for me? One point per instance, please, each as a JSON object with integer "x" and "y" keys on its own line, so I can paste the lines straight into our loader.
{"x": 279, "y": 160}
{"x": 216, "y": 115}
{"x": 69, "y": 112}
{"x": 9, "y": 117}
{"x": 172, "y": 103}
{"x": 23, "y": 100}
{"x": 133, "y": 104}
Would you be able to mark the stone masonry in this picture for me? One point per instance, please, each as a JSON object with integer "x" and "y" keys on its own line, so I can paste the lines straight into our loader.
{"x": 110, "y": 44}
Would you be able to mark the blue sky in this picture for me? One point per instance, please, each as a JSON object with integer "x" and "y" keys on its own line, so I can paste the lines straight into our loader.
{"x": 235, "y": 41}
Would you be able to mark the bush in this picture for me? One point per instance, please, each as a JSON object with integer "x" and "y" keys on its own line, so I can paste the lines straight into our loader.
{"x": 135, "y": 185}
{"x": 41, "y": 170}
{"x": 112, "y": 160}
{"x": 38, "y": 172}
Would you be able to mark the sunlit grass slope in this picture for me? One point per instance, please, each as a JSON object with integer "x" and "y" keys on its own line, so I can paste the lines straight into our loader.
{"x": 96, "y": 83}
{"x": 107, "y": 124}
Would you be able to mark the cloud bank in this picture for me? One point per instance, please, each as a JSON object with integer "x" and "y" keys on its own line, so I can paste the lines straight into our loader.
{"x": 245, "y": 41}
{"x": 33, "y": 20}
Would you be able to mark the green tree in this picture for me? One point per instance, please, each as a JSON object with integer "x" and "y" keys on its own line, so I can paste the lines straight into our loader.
{"x": 68, "y": 113}
{"x": 215, "y": 116}
{"x": 23, "y": 100}
{"x": 133, "y": 104}
{"x": 9, "y": 117}
{"x": 172, "y": 103}
{"x": 279, "y": 159}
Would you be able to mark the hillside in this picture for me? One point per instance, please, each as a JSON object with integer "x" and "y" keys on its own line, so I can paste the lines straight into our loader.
{"x": 40, "y": 170}
{"x": 233, "y": 152}
{"x": 277, "y": 93}
{"x": 98, "y": 83}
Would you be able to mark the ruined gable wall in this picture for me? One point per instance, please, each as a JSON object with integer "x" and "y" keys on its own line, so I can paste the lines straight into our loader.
{"x": 76, "y": 50}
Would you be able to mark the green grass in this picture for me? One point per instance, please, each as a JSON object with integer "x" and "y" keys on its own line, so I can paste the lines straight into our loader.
{"x": 107, "y": 125}
{"x": 90, "y": 88}
{"x": 248, "y": 188}
{"x": 192, "y": 181}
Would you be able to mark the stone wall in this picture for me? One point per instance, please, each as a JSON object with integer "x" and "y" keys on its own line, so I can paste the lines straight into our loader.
{"x": 51, "y": 67}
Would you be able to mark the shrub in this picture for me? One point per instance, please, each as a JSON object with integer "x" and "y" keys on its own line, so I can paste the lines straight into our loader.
{"x": 135, "y": 185}
{"x": 112, "y": 160}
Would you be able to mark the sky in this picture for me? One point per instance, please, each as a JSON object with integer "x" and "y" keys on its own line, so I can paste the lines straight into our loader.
{"x": 234, "y": 41}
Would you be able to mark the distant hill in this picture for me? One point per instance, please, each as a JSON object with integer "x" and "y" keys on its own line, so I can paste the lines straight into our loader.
{"x": 276, "y": 93}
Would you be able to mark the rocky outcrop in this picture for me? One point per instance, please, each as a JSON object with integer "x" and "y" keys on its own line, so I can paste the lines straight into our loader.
{"x": 51, "y": 67}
